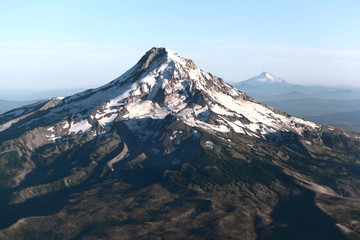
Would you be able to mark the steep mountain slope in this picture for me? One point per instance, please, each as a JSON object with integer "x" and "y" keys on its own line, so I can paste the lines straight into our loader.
{"x": 169, "y": 151}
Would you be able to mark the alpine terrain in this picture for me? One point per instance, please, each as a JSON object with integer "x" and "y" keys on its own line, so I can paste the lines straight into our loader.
{"x": 168, "y": 151}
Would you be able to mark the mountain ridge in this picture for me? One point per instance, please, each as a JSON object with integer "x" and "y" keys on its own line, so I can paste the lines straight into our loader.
{"x": 132, "y": 89}
{"x": 168, "y": 150}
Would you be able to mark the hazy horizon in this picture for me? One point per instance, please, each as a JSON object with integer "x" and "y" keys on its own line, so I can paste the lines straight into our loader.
{"x": 85, "y": 44}
{"x": 85, "y": 87}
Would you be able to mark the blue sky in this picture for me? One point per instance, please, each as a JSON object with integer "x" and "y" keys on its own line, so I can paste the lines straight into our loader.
{"x": 71, "y": 44}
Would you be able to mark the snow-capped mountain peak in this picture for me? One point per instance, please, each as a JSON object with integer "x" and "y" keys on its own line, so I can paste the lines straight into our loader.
{"x": 168, "y": 136}
{"x": 161, "y": 84}
{"x": 265, "y": 78}
{"x": 270, "y": 77}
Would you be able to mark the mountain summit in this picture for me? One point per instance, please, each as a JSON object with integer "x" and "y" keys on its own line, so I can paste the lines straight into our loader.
{"x": 170, "y": 151}
{"x": 159, "y": 85}
{"x": 265, "y": 78}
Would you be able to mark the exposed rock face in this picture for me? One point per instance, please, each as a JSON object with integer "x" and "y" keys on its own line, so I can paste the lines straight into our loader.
{"x": 168, "y": 150}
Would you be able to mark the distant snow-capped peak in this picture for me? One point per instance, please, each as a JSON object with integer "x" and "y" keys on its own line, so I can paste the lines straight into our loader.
{"x": 266, "y": 77}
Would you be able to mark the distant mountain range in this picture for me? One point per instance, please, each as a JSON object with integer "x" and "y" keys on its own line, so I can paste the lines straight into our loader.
{"x": 14, "y": 98}
{"x": 6, "y": 105}
{"x": 33, "y": 94}
{"x": 348, "y": 120}
{"x": 314, "y": 102}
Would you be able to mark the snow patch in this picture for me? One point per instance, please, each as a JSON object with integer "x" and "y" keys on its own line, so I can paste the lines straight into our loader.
{"x": 202, "y": 113}
{"x": 82, "y": 126}
{"x": 210, "y": 144}
{"x": 145, "y": 109}
{"x": 105, "y": 121}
